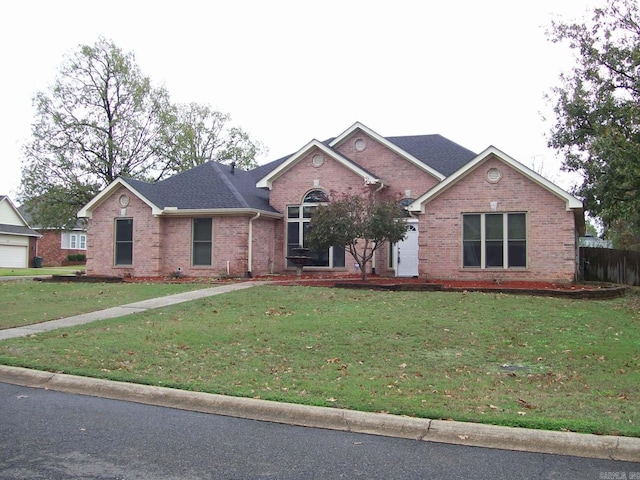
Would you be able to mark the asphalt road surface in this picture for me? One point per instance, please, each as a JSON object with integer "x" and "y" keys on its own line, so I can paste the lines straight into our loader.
{"x": 51, "y": 435}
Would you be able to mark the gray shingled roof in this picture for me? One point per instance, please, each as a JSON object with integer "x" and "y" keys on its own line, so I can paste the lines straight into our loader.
{"x": 213, "y": 185}
{"x": 208, "y": 186}
{"x": 18, "y": 230}
{"x": 437, "y": 152}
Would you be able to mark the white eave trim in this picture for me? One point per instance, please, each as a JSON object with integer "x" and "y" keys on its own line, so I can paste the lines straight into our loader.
{"x": 419, "y": 204}
{"x": 237, "y": 212}
{"x": 391, "y": 146}
{"x": 267, "y": 181}
{"x": 87, "y": 210}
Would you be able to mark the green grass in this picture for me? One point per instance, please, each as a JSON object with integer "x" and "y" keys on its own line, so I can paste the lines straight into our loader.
{"x": 25, "y": 272}
{"x": 575, "y": 363}
{"x": 23, "y": 302}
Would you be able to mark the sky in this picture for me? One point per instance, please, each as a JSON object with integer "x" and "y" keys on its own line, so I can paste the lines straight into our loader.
{"x": 291, "y": 71}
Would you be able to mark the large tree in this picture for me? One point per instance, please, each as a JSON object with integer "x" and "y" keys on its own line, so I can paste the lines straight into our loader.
{"x": 597, "y": 110}
{"x": 360, "y": 223}
{"x": 102, "y": 119}
{"x": 198, "y": 133}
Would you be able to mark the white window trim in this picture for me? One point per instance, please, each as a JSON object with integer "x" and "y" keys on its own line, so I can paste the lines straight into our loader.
{"x": 67, "y": 239}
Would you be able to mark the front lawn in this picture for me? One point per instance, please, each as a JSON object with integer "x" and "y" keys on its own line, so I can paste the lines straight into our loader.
{"x": 24, "y": 272}
{"x": 512, "y": 360}
{"x": 24, "y": 302}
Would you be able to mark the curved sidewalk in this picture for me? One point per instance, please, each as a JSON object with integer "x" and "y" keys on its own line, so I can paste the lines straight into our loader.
{"x": 123, "y": 310}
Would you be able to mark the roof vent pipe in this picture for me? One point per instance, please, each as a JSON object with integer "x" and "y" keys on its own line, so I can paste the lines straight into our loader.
{"x": 233, "y": 167}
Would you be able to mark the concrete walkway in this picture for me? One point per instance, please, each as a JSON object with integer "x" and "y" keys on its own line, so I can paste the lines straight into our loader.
{"x": 471, "y": 434}
{"x": 123, "y": 310}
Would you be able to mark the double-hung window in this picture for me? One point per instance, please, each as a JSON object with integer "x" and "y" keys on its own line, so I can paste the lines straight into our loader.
{"x": 73, "y": 241}
{"x": 124, "y": 241}
{"x": 202, "y": 241}
{"x": 298, "y": 224}
{"x": 494, "y": 240}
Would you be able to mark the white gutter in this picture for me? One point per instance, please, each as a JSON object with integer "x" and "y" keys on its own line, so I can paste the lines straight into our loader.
{"x": 250, "y": 249}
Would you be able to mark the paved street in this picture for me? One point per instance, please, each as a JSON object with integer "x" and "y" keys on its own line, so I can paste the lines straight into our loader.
{"x": 51, "y": 435}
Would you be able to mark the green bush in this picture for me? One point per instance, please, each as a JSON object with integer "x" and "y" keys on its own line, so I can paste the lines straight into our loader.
{"x": 76, "y": 257}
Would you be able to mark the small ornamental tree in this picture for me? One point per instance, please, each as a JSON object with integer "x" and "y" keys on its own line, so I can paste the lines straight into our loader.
{"x": 360, "y": 223}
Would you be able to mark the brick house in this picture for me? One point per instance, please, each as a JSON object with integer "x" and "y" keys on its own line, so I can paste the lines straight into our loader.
{"x": 469, "y": 216}
{"x": 55, "y": 245}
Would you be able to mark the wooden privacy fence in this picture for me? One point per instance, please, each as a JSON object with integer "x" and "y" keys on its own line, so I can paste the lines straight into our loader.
{"x": 608, "y": 265}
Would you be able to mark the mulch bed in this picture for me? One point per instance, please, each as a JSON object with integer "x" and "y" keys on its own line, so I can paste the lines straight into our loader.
{"x": 595, "y": 291}
{"x": 375, "y": 282}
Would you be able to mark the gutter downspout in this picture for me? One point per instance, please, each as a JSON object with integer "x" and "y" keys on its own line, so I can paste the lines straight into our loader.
{"x": 250, "y": 249}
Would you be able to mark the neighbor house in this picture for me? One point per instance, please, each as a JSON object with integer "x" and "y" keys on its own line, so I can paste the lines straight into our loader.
{"x": 18, "y": 242}
{"x": 469, "y": 216}
{"x": 56, "y": 245}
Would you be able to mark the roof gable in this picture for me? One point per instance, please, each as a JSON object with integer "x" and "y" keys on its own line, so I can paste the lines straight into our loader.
{"x": 387, "y": 143}
{"x": 267, "y": 180}
{"x": 87, "y": 210}
{"x": 9, "y": 214}
{"x": 419, "y": 204}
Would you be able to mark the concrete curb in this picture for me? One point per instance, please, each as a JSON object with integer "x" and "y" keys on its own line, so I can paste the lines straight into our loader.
{"x": 470, "y": 434}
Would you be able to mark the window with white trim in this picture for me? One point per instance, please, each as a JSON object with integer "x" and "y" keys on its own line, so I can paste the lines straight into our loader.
{"x": 298, "y": 223}
{"x": 494, "y": 240}
{"x": 73, "y": 241}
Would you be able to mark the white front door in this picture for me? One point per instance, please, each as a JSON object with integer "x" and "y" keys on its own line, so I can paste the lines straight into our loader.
{"x": 407, "y": 253}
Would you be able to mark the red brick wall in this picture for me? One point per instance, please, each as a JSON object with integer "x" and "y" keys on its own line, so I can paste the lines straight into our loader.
{"x": 291, "y": 187}
{"x": 147, "y": 251}
{"x": 550, "y": 227}
{"x": 398, "y": 174}
{"x": 161, "y": 245}
{"x": 264, "y": 245}
{"x": 50, "y": 249}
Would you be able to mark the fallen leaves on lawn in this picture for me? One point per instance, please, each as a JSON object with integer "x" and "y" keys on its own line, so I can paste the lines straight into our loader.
{"x": 526, "y": 404}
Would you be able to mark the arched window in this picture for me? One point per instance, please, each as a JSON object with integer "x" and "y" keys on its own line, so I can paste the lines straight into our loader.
{"x": 316, "y": 196}
{"x": 298, "y": 224}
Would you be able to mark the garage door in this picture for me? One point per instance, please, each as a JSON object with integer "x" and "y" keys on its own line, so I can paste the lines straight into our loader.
{"x": 13, "y": 256}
